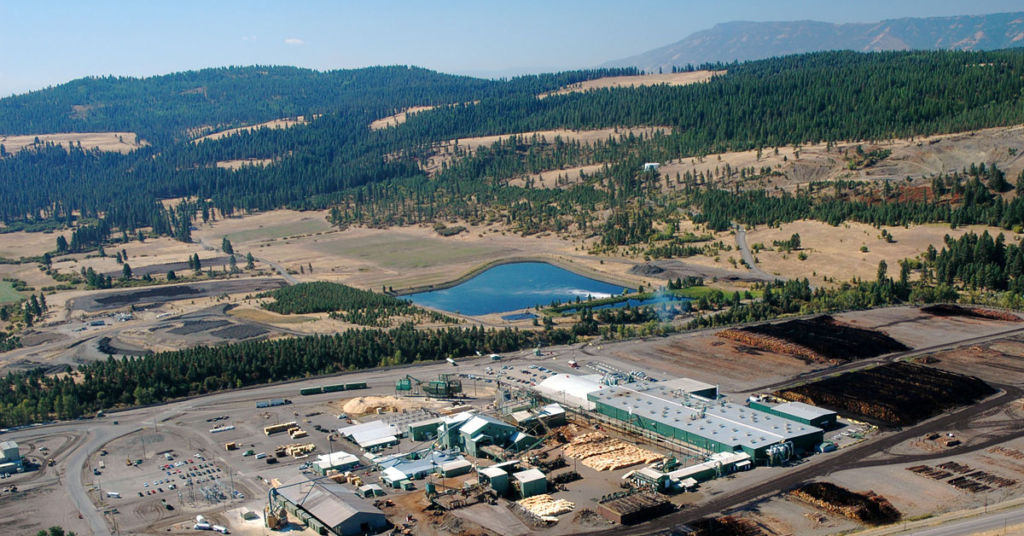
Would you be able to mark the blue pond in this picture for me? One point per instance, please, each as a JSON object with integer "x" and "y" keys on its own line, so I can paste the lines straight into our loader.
{"x": 509, "y": 287}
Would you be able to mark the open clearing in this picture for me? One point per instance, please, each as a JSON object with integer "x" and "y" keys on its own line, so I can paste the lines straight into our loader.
{"x": 23, "y": 244}
{"x": 399, "y": 257}
{"x": 398, "y": 118}
{"x": 286, "y": 122}
{"x": 7, "y": 293}
{"x": 446, "y": 151}
{"x": 916, "y": 158}
{"x": 272, "y": 225}
{"x": 117, "y": 142}
{"x": 668, "y": 79}
{"x": 238, "y": 164}
{"x": 835, "y": 252}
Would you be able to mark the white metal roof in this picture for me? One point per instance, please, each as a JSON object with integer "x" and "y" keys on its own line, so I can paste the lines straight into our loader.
{"x": 478, "y": 422}
{"x": 393, "y": 475}
{"x": 386, "y": 440}
{"x": 492, "y": 471}
{"x": 366, "y": 433}
{"x": 529, "y": 475}
{"x": 458, "y": 418}
{"x": 686, "y": 384}
{"x": 803, "y": 411}
{"x": 551, "y": 410}
{"x": 455, "y": 464}
{"x": 571, "y": 389}
{"x": 334, "y": 459}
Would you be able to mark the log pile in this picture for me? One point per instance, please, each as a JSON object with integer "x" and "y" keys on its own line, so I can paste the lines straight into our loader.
{"x": 776, "y": 345}
{"x": 897, "y": 394}
{"x": 603, "y": 453}
{"x": 945, "y": 309}
{"x": 545, "y": 506}
{"x": 864, "y": 507}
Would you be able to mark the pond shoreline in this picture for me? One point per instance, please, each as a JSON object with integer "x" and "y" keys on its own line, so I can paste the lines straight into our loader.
{"x": 554, "y": 261}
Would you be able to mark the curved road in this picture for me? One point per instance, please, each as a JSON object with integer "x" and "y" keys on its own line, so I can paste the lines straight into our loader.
{"x": 748, "y": 257}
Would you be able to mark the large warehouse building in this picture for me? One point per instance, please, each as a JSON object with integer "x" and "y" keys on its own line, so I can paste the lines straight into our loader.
{"x": 710, "y": 425}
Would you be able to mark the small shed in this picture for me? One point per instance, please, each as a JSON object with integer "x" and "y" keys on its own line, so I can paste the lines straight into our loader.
{"x": 495, "y": 477}
{"x": 530, "y": 482}
{"x": 456, "y": 468}
{"x": 369, "y": 491}
{"x": 393, "y": 477}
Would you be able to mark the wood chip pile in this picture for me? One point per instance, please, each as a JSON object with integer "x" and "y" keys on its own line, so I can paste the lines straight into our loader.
{"x": 603, "y": 453}
{"x": 545, "y": 505}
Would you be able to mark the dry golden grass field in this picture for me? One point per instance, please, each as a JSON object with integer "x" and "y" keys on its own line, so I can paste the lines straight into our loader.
{"x": 669, "y": 79}
{"x": 120, "y": 142}
{"x": 398, "y": 118}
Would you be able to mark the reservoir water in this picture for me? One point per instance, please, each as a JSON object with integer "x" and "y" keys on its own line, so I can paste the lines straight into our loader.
{"x": 508, "y": 287}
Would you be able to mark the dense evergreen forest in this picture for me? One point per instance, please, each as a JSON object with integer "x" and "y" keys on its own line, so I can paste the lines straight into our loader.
{"x": 34, "y": 396}
{"x": 346, "y": 303}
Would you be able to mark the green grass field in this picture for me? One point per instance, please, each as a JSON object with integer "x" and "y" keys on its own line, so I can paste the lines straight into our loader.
{"x": 304, "y": 227}
{"x": 8, "y": 294}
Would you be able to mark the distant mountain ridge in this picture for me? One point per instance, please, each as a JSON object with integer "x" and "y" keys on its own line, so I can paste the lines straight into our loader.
{"x": 744, "y": 41}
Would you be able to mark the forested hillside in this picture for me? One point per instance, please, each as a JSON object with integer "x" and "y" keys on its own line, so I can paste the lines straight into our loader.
{"x": 375, "y": 176}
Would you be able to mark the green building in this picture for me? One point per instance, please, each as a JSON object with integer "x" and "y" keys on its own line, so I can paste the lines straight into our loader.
{"x": 482, "y": 430}
{"x": 495, "y": 477}
{"x": 425, "y": 430}
{"x": 799, "y": 412}
{"x": 711, "y": 426}
{"x": 530, "y": 482}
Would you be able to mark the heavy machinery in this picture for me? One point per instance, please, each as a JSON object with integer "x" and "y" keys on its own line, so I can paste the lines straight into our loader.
{"x": 445, "y": 386}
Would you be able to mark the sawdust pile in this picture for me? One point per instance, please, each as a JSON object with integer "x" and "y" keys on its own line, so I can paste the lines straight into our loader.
{"x": 363, "y": 405}
{"x": 603, "y": 453}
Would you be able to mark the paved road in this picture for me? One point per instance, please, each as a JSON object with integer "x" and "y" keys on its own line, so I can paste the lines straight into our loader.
{"x": 996, "y": 522}
{"x": 748, "y": 257}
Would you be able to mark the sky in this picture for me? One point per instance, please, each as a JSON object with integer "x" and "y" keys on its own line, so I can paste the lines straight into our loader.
{"x": 48, "y": 42}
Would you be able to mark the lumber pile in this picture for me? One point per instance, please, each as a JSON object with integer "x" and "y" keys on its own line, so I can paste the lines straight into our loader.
{"x": 297, "y": 449}
{"x": 603, "y": 453}
{"x": 545, "y": 505}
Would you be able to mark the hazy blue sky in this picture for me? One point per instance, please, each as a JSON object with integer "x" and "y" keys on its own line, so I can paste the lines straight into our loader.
{"x": 46, "y": 42}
